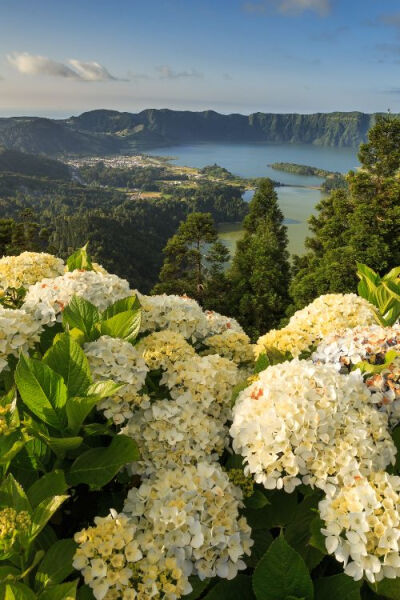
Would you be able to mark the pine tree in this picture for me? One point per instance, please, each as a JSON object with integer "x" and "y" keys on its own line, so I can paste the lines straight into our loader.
{"x": 194, "y": 260}
{"x": 260, "y": 273}
{"x": 361, "y": 224}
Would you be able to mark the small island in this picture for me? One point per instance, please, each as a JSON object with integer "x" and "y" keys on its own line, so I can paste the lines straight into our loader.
{"x": 289, "y": 167}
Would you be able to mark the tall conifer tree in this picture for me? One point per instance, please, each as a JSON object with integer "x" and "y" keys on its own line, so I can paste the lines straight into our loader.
{"x": 260, "y": 273}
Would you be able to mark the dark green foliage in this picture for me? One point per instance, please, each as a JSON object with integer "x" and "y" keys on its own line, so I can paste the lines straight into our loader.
{"x": 360, "y": 224}
{"x": 260, "y": 273}
{"x": 194, "y": 260}
{"x": 12, "y": 161}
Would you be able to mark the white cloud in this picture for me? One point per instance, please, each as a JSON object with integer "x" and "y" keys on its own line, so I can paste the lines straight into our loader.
{"x": 28, "y": 64}
{"x": 165, "y": 72}
{"x": 91, "y": 71}
{"x": 290, "y": 7}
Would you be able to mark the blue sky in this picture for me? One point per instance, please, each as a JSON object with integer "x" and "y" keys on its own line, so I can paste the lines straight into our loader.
{"x": 59, "y": 58}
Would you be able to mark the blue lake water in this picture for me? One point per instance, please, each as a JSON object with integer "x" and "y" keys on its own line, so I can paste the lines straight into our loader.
{"x": 252, "y": 160}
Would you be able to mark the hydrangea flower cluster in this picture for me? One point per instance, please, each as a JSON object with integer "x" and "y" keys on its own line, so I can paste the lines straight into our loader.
{"x": 234, "y": 345}
{"x": 28, "y": 268}
{"x": 183, "y": 315}
{"x": 19, "y": 331}
{"x": 306, "y": 423}
{"x": 362, "y": 526}
{"x": 327, "y": 314}
{"x": 46, "y": 299}
{"x": 117, "y": 562}
{"x": 118, "y": 360}
{"x": 371, "y": 344}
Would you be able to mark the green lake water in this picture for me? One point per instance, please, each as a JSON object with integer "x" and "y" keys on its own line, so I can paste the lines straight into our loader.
{"x": 252, "y": 160}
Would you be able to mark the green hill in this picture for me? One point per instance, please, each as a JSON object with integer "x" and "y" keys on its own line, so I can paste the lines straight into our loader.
{"x": 13, "y": 161}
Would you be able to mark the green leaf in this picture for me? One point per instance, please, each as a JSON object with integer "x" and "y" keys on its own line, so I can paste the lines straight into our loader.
{"x": 262, "y": 539}
{"x": 18, "y": 591}
{"x": 10, "y": 445}
{"x": 67, "y": 359}
{"x": 57, "y": 563}
{"x": 123, "y": 305}
{"x": 98, "y": 466}
{"x": 257, "y": 500}
{"x": 335, "y": 587}
{"x": 42, "y": 390}
{"x": 46, "y": 538}
{"x": 387, "y": 588}
{"x": 61, "y": 446}
{"x": 43, "y": 513}
{"x": 298, "y": 532}
{"x": 85, "y": 593}
{"x": 78, "y": 409}
{"x": 317, "y": 539}
{"x": 124, "y": 325}
{"x": 81, "y": 314}
{"x": 104, "y": 389}
{"x": 262, "y": 363}
{"x": 80, "y": 260}
{"x": 48, "y": 334}
{"x": 51, "y": 484}
{"x": 12, "y": 494}
{"x": 281, "y": 573}
{"x": 8, "y": 573}
{"x": 236, "y": 589}
{"x": 65, "y": 591}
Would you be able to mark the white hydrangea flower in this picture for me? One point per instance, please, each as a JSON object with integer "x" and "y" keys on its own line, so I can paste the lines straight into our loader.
{"x": 183, "y": 315}
{"x": 371, "y": 344}
{"x": 193, "y": 512}
{"x": 302, "y": 422}
{"x": 116, "y": 359}
{"x": 19, "y": 331}
{"x": 162, "y": 349}
{"x": 47, "y": 298}
{"x": 362, "y": 526}
{"x": 117, "y": 562}
{"x": 174, "y": 432}
{"x": 327, "y": 314}
{"x": 27, "y": 268}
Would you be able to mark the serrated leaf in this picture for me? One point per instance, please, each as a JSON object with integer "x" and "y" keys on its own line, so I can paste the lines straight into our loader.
{"x": 257, "y": 500}
{"x": 98, "y": 466}
{"x": 56, "y": 564}
{"x": 388, "y": 588}
{"x": 78, "y": 409}
{"x": 83, "y": 315}
{"x": 280, "y": 573}
{"x": 42, "y": 390}
{"x": 18, "y": 591}
{"x": 64, "y": 591}
{"x": 104, "y": 389}
{"x": 50, "y": 484}
{"x": 43, "y": 513}
{"x": 124, "y": 325}
{"x": 124, "y": 304}
{"x": 12, "y": 494}
{"x": 80, "y": 260}
{"x": 67, "y": 359}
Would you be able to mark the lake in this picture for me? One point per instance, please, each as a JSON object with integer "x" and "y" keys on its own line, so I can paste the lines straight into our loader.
{"x": 252, "y": 160}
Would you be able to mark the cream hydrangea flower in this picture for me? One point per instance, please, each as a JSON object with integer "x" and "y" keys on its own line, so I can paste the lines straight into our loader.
{"x": 327, "y": 314}
{"x": 115, "y": 562}
{"x": 162, "y": 349}
{"x": 27, "y": 268}
{"x": 183, "y": 315}
{"x": 47, "y": 298}
{"x": 362, "y": 526}
{"x": 193, "y": 512}
{"x": 301, "y": 422}
{"x": 19, "y": 331}
{"x": 116, "y": 359}
{"x": 231, "y": 344}
{"x": 174, "y": 432}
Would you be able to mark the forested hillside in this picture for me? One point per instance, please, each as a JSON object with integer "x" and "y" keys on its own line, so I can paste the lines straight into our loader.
{"x": 109, "y": 131}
